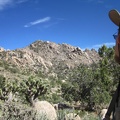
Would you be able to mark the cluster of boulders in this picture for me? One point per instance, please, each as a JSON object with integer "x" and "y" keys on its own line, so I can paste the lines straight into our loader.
{"x": 48, "y": 110}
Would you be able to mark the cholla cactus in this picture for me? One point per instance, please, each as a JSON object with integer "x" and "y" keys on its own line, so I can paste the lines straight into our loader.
{"x": 33, "y": 88}
{"x": 7, "y": 87}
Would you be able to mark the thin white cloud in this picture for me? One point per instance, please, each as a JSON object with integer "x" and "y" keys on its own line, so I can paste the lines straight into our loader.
{"x": 4, "y": 3}
{"x": 107, "y": 44}
{"x": 96, "y": 47}
{"x": 7, "y": 3}
{"x": 49, "y": 25}
{"x": 20, "y": 1}
{"x": 46, "y": 19}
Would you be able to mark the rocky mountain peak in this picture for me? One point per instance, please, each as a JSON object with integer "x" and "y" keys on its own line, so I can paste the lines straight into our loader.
{"x": 45, "y": 54}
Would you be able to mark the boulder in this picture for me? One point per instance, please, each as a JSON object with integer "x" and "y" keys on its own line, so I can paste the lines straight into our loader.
{"x": 45, "y": 110}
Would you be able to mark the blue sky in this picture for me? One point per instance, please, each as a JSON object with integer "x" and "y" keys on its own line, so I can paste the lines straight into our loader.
{"x": 80, "y": 23}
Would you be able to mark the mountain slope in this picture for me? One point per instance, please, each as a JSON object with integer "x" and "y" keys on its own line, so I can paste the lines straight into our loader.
{"x": 42, "y": 56}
